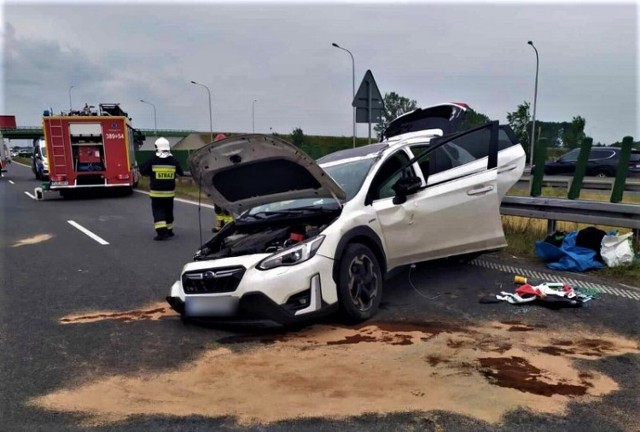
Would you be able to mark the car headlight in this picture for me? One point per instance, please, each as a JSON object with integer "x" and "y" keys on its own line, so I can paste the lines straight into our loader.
{"x": 293, "y": 255}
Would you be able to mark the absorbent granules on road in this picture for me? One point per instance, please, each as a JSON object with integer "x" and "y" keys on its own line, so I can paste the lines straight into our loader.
{"x": 337, "y": 372}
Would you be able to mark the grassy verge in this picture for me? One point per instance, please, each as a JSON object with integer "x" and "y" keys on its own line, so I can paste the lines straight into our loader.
{"x": 22, "y": 160}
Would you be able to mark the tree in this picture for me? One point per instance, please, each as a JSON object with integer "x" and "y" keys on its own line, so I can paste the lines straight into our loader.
{"x": 394, "y": 106}
{"x": 297, "y": 137}
{"x": 473, "y": 119}
{"x": 519, "y": 121}
{"x": 574, "y": 134}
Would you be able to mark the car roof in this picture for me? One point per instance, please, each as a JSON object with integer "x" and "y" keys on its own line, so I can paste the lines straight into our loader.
{"x": 358, "y": 152}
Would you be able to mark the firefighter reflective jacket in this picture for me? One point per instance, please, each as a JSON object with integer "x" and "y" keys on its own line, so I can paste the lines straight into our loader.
{"x": 162, "y": 172}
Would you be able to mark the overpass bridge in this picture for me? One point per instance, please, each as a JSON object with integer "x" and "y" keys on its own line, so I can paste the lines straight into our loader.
{"x": 33, "y": 132}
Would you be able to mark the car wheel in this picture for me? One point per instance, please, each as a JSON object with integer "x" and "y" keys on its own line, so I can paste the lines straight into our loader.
{"x": 360, "y": 283}
{"x": 602, "y": 174}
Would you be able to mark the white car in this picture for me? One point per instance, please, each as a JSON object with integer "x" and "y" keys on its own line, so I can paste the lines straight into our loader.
{"x": 311, "y": 238}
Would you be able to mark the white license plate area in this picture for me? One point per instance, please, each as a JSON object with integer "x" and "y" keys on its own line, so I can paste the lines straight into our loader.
{"x": 198, "y": 306}
{"x": 59, "y": 183}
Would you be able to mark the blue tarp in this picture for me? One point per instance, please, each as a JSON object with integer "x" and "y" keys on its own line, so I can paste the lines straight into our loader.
{"x": 568, "y": 257}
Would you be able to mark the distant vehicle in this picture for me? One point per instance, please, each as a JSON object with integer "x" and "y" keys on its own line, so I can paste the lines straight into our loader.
{"x": 5, "y": 158}
{"x": 603, "y": 162}
{"x": 39, "y": 160}
{"x": 88, "y": 149}
{"x": 25, "y": 153}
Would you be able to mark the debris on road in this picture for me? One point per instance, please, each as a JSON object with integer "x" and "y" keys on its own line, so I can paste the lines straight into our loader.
{"x": 550, "y": 294}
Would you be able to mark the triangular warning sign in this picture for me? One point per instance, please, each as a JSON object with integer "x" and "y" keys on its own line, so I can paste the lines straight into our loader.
{"x": 368, "y": 90}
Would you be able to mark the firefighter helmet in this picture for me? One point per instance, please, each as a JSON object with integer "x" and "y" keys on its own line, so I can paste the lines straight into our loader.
{"x": 163, "y": 148}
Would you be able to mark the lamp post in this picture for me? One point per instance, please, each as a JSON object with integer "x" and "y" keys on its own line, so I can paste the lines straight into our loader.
{"x": 210, "y": 117}
{"x": 253, "y": 116}
{"x": 535, "y": 99}
{"x": 70, "y": 104}
{"x": 353, "y": 87}
{"x": 155, "y": 123}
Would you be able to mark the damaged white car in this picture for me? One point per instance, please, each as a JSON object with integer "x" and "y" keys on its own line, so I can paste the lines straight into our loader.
{"x": 314, "y": 237}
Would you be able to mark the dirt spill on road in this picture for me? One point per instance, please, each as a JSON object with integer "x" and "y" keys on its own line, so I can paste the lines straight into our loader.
{"x": 33, "y": 240}
{"x": 152, "y": 312}
{"x": 326, "y": 371}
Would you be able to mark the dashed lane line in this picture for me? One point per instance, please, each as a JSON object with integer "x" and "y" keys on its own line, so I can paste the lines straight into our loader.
{"x": 11, "y": 181}
{"x": 631, "y": 293}
{"x": 87, "y": 232}
{"x": 30, "y": 195}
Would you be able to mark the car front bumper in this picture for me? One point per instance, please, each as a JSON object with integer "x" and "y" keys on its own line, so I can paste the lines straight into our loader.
{"x": 279, "y": 296}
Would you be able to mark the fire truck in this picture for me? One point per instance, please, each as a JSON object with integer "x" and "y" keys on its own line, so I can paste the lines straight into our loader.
{"x": 91, "y": 149}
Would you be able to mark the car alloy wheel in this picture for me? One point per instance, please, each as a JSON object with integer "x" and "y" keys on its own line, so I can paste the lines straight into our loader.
{"x": 360, "y": 287}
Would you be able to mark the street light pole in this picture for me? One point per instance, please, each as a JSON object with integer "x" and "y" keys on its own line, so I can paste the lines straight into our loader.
{"x": 353, "y": 88}
{"x": 70, "y": 104}
{"x": 253, "y": 116}
{"x": 535, "y": 99}
{"x": 210, "y": 117}
{"x": 155, "y": 122}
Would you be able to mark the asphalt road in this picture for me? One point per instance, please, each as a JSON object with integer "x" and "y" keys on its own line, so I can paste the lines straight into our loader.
{"x": 50, "y": 270}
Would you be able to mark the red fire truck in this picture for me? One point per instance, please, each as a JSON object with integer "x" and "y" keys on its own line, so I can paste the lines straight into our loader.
{"x": 91, "y": 149}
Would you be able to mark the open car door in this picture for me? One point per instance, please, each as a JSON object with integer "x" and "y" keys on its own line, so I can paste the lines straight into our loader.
{"x": 457, "y": 214}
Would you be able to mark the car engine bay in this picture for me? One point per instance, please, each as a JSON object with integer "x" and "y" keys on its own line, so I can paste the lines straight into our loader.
{"x": 256, "y": 238}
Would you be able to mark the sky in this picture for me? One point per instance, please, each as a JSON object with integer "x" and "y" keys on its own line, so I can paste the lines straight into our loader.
{"x": 280, "y": 55}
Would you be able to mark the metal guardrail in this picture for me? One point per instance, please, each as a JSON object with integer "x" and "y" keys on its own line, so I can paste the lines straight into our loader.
{"x": 597, "y": 183}
{"x": 581, "y": 211}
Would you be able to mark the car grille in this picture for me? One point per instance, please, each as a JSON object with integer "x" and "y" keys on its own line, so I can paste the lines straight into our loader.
{"x": 216, "y": 280}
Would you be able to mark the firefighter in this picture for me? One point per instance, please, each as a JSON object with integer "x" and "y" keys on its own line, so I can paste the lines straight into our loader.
{"x": 162, "y": 169}
{"x": 223, "y": 217}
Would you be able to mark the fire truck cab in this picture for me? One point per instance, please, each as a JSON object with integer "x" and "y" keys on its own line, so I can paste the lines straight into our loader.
{"x": 91, "y": 149}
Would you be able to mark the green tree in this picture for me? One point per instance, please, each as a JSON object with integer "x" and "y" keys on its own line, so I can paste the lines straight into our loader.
{"x": 297, "y": 137}
{"x": 473, "y": 119}
{"x": 574, "y": 134}
{"x": 394, "y": 106}
{"x": 519, "y": 120}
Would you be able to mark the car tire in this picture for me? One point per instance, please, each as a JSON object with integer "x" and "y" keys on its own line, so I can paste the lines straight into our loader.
{"x": 360, "y": 283}
{"x": 602, "y": 174}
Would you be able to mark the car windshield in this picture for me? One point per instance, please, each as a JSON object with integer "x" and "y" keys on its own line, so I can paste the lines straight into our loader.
{"x": 43, "y": 151}
{"x": 571, "y": 156}
{"x": 349, "y": 174}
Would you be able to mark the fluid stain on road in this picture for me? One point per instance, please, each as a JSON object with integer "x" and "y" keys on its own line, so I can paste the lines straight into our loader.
{"x": 33, "y": 240}
{"x": 152, "y": 312}
{"x": 327, "y": 371}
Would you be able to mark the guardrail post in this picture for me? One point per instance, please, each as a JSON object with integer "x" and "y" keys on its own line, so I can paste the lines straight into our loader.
{"x": 581, "y": 168}
{"x": 551, "y": 226}
{"x": 540, "y": 157}
{"x": 622, "y": 170}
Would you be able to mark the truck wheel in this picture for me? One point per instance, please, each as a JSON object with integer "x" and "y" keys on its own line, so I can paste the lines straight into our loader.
{"x": 360, "y": 283}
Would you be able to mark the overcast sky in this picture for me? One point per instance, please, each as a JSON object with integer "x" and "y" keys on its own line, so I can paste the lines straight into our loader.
{"x": 281, "y": 55}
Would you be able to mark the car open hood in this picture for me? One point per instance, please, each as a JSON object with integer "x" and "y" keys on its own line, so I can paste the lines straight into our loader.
{"x": 446, "y": 117}
{"x": 246, "y": 171}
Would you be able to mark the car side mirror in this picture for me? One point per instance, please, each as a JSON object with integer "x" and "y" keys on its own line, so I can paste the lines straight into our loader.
{"x": 404, "y": 187}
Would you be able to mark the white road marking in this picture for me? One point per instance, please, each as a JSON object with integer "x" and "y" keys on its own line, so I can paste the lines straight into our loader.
{"x": 195, "y": 203}
{"x": 11, "y": 181}
{"x": 30, "y": 195}
{"x": 89, "y": 233}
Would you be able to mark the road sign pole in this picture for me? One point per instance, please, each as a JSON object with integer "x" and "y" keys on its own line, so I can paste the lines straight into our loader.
{"x": 369, "y": 108}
